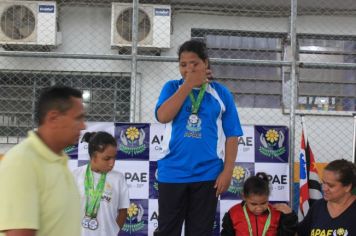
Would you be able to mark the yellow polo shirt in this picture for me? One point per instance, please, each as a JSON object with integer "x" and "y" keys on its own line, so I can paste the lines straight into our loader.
{"x": 37, "y": 191}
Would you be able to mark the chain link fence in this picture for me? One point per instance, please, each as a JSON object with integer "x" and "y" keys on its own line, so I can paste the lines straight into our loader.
{"x": 280, "y": 60}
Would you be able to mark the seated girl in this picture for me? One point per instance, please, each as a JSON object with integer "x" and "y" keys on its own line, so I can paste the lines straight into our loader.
{"x": 255, "y": 216}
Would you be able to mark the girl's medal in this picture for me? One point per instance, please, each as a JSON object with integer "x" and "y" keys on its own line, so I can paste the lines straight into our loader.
{"x": 85, "y": 221}
{"x": 93, "y": 224}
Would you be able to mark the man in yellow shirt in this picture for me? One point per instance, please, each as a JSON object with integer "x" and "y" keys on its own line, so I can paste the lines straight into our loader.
{"x": 38, "y": 193}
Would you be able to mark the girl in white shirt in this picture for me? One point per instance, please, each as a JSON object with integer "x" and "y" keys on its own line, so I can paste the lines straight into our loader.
{"x": 104, "y": 191}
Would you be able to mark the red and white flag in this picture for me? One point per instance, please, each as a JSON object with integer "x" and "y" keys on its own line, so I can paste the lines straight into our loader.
{"x": 309, "y": 181}
{"x": 303, "y": 181}
{"x": 314, "y": 182}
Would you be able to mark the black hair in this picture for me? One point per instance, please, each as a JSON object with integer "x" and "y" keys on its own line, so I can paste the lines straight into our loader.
{"x": 346, "y": 171}
{"x": 198, "y": 47}
{"x": 55, "y": 98}
{"x": 257, "y": 185}
{"x": 98, "y": 141}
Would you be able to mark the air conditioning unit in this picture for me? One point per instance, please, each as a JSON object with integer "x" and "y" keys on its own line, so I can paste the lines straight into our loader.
{"x": 154, "y": 25}
{"x": 28, "y": 23}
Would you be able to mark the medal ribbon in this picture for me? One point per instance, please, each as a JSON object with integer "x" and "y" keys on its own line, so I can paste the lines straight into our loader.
{"x": 196, "y": 103}
{"x": 93, "y": 195}
{"x": 267, "y": 224}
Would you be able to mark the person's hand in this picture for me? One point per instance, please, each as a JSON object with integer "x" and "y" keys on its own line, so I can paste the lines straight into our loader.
{"x": 197, "y": 75}
{"x": 282, "y": 207}
{"x": 222, "y": 183}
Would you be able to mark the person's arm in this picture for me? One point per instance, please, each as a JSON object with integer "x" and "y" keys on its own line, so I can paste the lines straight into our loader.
{"x": 195, "y": 77}
{"x": 227, "y": 227}
{"x": 20, "y": 206}
{"x": 288, "y": 221}
{"x": 121, "y": 217}
{"x": 169, "y": 109}
{"x": 21, "y": 232}
{"x": 303, "y": 228}
{"x": 287, "y": 224}
{"x": 223, "y": 181}
{"x": 124, "y": 201}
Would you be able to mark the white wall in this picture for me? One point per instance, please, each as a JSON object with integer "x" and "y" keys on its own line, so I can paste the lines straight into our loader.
{"x": 338, "y": 25}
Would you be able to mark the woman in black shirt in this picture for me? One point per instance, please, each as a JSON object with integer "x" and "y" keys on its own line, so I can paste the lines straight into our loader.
{"x": 335, "y": 214}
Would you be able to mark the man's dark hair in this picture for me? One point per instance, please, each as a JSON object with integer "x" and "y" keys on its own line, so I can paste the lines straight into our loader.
{"x": 55, "y": 98}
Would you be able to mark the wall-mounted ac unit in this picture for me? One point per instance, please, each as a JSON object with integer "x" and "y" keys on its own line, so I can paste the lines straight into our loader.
{"x": 154, "y": 25}
{"x": 28, "y": 23}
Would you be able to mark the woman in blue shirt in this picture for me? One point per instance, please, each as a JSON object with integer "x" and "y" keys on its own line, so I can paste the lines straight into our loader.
{"x": 200, "y": 145}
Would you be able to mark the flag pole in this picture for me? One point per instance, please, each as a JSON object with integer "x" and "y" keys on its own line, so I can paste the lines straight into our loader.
{"x": 354, "y": 140}
{"x": 304, "y": 128}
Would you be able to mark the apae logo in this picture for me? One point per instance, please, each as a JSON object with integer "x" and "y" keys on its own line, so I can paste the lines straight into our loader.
{"x": 193, "y": 127}
{"x": 340, "y": 232}
{"x": 107, "y": 195}
{"x": 134, "y": 221}
{"x": 134, "y": 177}
{"x": 275, "y": 179}
{"x": 155, "y": 184}
{"x": 156, "y": 140}
{"x": 132, "y": 141}
{"x": 246, "y": 142}
{"x": 239, "y": 175}
{"x": 154, "y": 219}
{"x": 278, "y": 181}
{"x": 272, "y": 143}
{"x": 69, "y": 149}
{"x": 326, "y": 232}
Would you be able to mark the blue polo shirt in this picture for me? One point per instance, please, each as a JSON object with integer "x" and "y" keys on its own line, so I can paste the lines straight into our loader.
{"x": 194, "y": 150}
